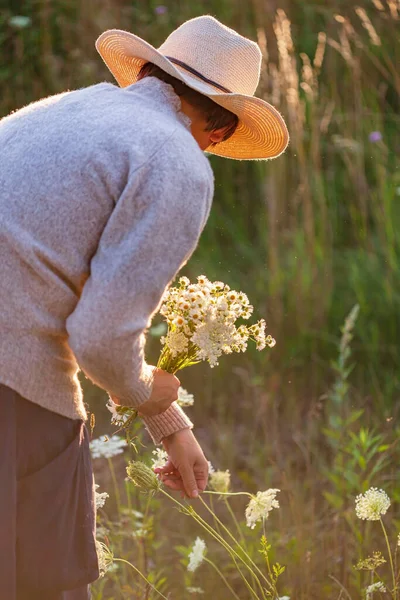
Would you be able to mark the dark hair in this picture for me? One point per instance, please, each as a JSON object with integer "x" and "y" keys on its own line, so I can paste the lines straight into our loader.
{"x": 217, "y": 116}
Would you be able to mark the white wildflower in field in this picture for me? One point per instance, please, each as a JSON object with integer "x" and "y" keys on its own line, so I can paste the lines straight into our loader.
{"x": 371, "y": 505}
{"x": 374, "y": 587}
{"x": 184, "y": 398}
{"x": 260, "y": 506}
{"x": 105, "y": 558}
{"x": 220, "y": 481}
{"x": 117, "y": 418}
{"x": 194, "y": 590}
{"x": 197, "y": 554}
{"x": 284, "y": 597}
{"x": 212, "y": 470}
{"x": 107, "y": 447}
{"x": 161, "y": 458}
{"x": 100, "y": 497}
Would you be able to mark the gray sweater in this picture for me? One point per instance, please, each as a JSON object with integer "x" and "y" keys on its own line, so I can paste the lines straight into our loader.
{"x": 104, "y": 193}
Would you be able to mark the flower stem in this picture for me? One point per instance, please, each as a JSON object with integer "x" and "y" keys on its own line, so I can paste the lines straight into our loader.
{"x": 141, "y": 575}
{"x": 236, "y": 542}
{"x": 228, "y": 506}
{"x": 228, "y": 493}
{"x": 242, "y": 538}
{"x": 222, "y": 577}
{"x": 391, "y": 561}
{"x": 116, "y": 490}
{"x": 219, "y": 539}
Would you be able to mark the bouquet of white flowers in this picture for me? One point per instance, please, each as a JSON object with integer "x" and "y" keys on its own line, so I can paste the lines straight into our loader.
{"x": 201, "y": 319}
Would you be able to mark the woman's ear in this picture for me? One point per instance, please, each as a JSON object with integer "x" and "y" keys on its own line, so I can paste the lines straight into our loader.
{"x": 217, "y": 135}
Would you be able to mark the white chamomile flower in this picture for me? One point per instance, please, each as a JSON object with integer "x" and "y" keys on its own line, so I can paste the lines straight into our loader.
{"x": 197, "y": 554}
{"x": 117, "y": 418}
{"x": 260, "y": 506}
{"x": 374, "y": 587}
{"x": 202, "y": 280}
{"x": 184, "y": 397}
{"x": 371, "y": 505}
{"x": 179, "y": 321}
{"x": 232, "y": 296}
{"x": 107, "y": 447}
{"x": 184, "y": 281}
{"x": 161, "y": 458}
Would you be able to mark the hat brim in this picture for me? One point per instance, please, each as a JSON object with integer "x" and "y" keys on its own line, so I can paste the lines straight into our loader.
{"x": 261, "y": 134}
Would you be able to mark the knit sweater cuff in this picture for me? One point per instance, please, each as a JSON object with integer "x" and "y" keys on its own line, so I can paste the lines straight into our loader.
{"x": 142, "y": 391}
{"x": 166, "y": 423}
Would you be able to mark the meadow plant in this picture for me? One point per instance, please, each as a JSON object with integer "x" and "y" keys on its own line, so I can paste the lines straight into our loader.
{"x": 371, "y": 506}
{"x": 260, "y": 585}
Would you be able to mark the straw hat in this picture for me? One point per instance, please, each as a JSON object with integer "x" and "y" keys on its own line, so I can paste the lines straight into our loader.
{"x": 215, "y": 61}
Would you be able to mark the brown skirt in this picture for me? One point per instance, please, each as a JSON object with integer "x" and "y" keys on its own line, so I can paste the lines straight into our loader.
{"x": 47, "y": 508}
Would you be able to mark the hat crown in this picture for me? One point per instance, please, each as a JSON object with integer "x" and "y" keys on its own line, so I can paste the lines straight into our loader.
{"x": 216, "y": 52}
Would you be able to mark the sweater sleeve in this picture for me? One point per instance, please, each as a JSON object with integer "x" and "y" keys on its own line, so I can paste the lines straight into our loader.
{"x": 151, "y": 233}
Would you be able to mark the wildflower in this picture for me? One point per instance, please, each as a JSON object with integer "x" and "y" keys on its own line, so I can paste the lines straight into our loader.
{"x": 105, "y": 557}
{"x": 197, "y": 554}
{"x": 371, "y": 505}
{"x": 374, "y": 587}
{"x": 375, "y": 136}
{"x": 184, "y": 282}
{"x": 184, "y": 398}
{"x": 179, "y": 321}
{"x": 176, "y": 341}
{"x": 194, "y": 590}
{"x": 19, "y": 22}
{"x": 210, "y": 337}
{"x": 371, "y": 563}
{"x": 260, "y": 506}
{"x": 100, "y": 498}
{"x": 161, "y": 10}
{"x": 142, "y": 476}
{"x": 161, "y": 458}
{"x": 119, "y": 414}
{"x": 107, "y": 447}
{"x": 212, "y": 470}
{"x": 202, "y": 280}
{"x": 220, "y": 481}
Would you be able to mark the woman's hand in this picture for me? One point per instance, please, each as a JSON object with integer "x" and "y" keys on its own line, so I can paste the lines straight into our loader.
{"x": 163, "y": 393}
{"x": 187, "y": 467}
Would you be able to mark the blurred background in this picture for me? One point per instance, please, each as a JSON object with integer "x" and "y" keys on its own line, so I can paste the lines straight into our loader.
{"x": 307, "y": 236}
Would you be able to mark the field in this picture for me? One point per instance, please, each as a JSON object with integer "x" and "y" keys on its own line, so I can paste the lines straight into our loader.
{"x": 312, "y": 238}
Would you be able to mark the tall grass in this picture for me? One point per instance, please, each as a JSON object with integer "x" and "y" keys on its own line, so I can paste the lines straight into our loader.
{"x": 307, "y": 236}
